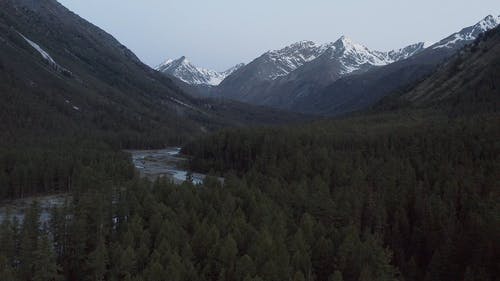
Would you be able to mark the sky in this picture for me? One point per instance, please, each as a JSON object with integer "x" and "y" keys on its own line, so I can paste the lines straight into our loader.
{"x": 218, "y": 34}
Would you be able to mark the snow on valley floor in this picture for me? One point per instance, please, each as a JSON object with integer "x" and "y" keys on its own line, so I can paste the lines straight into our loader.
{"x": 17, "y": 208}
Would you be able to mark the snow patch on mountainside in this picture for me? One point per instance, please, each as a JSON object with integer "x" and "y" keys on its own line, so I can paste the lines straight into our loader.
{"x": 42, "y": 52}
{"x": 184, "y": 70}
{"x": 406, "y": 52}
{"x": 292, "y": 57}
{"x": 353, "y": 56}
{"x": 45, "y": 55}
{"x": 469, "y": 33}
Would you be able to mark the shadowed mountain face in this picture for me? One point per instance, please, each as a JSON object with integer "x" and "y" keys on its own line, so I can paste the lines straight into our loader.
{"x": 71, "y": 76}
{"x": 467, "y": 83}
{"x": 279, "y": 77}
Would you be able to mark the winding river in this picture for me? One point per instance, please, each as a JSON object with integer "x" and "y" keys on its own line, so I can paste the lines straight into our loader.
{"x": 151, "y": 164}
{"x": 166, "y": 162}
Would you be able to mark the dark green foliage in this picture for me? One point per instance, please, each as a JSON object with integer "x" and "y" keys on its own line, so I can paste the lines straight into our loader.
{"x": 44, "y": 266}
{"x": 385, "y": 197}
{"x": 54, "y": 165}
{"x": 389, "y": 195}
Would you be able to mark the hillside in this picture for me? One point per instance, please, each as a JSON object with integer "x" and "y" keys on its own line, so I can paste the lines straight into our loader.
{"x": 70, "y": 76}
{"x": 468, "y": 82}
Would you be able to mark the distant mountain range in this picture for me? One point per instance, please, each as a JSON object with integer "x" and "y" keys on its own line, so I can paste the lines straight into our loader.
{"x": 279, "y": 63}
{"x": 184, "y": 70}
{"x": 328, "y": 79}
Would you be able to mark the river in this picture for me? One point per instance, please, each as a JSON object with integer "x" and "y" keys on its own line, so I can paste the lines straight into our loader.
{"x": 166, "y": 162}
{"x": 151, "y": 164}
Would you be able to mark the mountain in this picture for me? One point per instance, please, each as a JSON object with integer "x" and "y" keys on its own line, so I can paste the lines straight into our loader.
{"x": 469, "y": 82}
{"x": 267, "y": 67}
{"x": 61, "y": 75}
{"x": 359, "y": 91}
{"x": 406, "y": 52}
{"x": 468, "y": 34}
{"x": 70, "y": 75}
{"x": 184, "y": 70}
{"x": 277, "y": 78}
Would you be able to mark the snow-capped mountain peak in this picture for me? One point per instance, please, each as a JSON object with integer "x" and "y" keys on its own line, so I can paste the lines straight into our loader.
{"x": 348, "y": 50}
{"x": 184, "y": 70}
{"x": 353, "y": 56}
{"x": 469, "y": 33}
{"x": 348, "y": 44}
{"x": 278, "y": 63}
{"x": 406, "y": 52}
{"x": 488, "y": 23}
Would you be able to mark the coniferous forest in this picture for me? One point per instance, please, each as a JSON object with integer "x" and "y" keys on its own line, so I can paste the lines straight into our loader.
{"x": 410, "y": 198}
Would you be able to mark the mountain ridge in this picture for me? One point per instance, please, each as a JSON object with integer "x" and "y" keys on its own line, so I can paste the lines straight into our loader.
{"x": 184, "y": 70}
{"x": 307, "y": 77}
{"x": 256, "y": 82}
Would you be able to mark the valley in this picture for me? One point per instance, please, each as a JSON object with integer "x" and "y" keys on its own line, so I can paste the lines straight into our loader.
{"x": 311, "y": 162}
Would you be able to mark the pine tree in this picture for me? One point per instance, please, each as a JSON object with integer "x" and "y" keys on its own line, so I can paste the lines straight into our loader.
{"x": 45, "y": 267}
{"x": 29, "y": 241}
{"x": 228, "y": 251}
{"x": 128, "y": 262}
{"x": 8, "y": 235}
{"x": 6, "y": 270}
{"x": 175, "y": 268}
{"x": 336, "y": 276}
{"x": 245, "y": 266}
{"x": 98, "y": 262}
{"x": 155, "y": 271}
{"x": 298, "y": 276}
{"x": 75, "y": 254}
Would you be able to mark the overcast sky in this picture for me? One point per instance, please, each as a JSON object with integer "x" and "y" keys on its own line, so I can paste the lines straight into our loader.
{"x": 218, "y": 34}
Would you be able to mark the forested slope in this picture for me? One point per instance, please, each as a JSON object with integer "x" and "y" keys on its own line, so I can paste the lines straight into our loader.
{"x": 466, "y": 84}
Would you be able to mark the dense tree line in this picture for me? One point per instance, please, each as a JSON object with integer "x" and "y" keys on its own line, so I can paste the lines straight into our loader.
{"x": 56, "y": 165}
{"x": 386, "y": 198}
{"x": 427, "y": 189}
